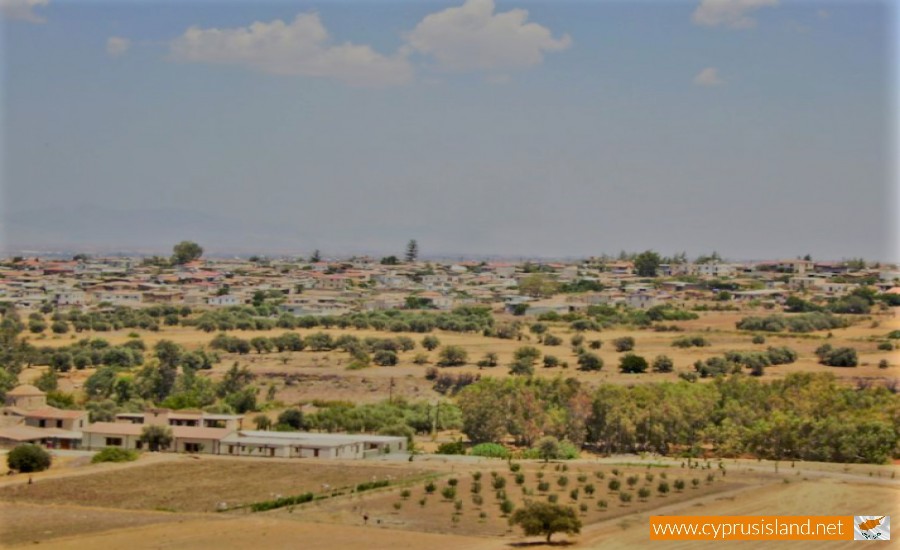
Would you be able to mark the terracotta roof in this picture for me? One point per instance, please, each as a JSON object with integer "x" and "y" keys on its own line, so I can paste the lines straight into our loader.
{"x": 28, "y": 433}
{"x": 24, "y": 390}
{"x": 54, "y": 413}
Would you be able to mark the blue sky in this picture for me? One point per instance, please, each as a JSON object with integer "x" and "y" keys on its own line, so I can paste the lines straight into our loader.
{"x": 757, "y": 128}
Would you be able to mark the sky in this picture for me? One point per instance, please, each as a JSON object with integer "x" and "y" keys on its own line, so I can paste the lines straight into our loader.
{"x": 754, "y": 128}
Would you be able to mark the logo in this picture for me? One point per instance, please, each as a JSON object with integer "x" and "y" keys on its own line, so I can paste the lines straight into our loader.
{"x": 871, "y": 527}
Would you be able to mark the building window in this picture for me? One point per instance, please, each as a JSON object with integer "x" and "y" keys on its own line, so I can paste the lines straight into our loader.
{"x": 59, "y": 423}
{"x": 42, "y": 423}
{"x": 113, "y": 441}
{"x": 192, "y": 447}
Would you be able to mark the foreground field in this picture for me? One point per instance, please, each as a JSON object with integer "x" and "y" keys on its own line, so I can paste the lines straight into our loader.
{"x": 94, "y": 507}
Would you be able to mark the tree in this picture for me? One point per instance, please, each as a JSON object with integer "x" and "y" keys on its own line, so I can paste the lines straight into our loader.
{"x": 316, "y": 257}
{"x": 262, "y": 422}
{"x": 390, "y": 260}
{"x": 430, "y": 342}
{"x": 412, "y": 251}
{"x": 662, "y": 363}
{"x": 646, "y": 263}
{"x": 452, "y": 356}
{"x": 292, "y": 418}
{"x": 548, "y": 447}
{"x": 588, "y": 361}
{"x": 625, "y": 343}
{"x": 29, "y": 457}
{"x": 537, "y": 286}
{"x": 186, "y": 251}
{"x": 156, "y": 437}
{"x": 632, "y": 364}
{"x": 544, "y": 518}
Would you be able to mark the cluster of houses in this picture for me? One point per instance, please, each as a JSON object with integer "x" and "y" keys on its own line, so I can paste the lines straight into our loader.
{"x": 26, "y": 418}
{"x": 364, "y": 284}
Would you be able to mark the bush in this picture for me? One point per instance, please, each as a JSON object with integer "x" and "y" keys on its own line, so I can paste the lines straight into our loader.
{"x": 837, "y": 357}
{"x": 632, "y": 364}
{"x": 885, "y": 346}
{"x": 662, "y": 363}
{"x": 490, "y": 450}
{"x": 28, "y": 457}
{"x": 452, "y": 356}
{"x": 759, "y": 339}
{"x": 114, "y": 454}
{"x": 588, "y": 361}
{"x": 552, "y": 340}
{"x": 690, "y": 341}
{"x": 625, "y": 343}
{"x": 385, "y": 358}
{"x": 452, "y": 448}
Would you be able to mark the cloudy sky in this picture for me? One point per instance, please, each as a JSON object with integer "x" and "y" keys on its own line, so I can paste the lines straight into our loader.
{"x": 756, "y": 128}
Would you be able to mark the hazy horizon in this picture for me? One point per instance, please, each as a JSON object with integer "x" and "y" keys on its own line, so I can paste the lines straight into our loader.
{"x": 756, "y": 128}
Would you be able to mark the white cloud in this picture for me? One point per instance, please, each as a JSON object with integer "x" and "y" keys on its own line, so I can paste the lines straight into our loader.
{"x": 23, "y": 9}
{"x": 473, "y": 37}
{"x": 117, "y": 46}
{"x": 708, "y": 77}
{"x": 736, "y": 14}
{"x": 301, "y": 47}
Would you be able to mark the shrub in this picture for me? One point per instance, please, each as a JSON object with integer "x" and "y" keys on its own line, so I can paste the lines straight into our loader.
{"x": 452, "y": 356}
{"x": 385, "y": 358}
{"x": 759, "y": 339}
{"x": 885, "y": 346}
{"x": 614, "y": 484}
{"x": 29, "y": 458}
{"x": 114, "y": 454}
{"x": 837, "y": 357}
{"x": 662, "y": 363}
{"x": 552, "y": 340}
{"x": 690, "y": 341}
{"x": 551, "y": 361}
{"x": 625, "y": 343}
{"x": 632, "y": 364}
{"x": 588, "y": 361}
{"x": 643, "y": 493}
{"x": 663, "y": 487}
{"x": 452, "y": 448}
{"x": 490, "y": 450}
{"x": 625, "y": 497}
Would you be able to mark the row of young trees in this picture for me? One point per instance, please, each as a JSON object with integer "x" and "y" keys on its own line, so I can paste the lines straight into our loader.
{"x": 803, "y": 416}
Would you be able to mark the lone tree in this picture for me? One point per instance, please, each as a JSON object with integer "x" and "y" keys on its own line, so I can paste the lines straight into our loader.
{"x": 646, "y": 263}
{"x": 29, "y": 458}
{"x": 412, "y": 251}
{"x": 544, "y": 518}
{"x": 316, "y": 257}
{"x": 156, "y": 437}
{"x": 548, "y": 448}
{"x": 186, "y": 251}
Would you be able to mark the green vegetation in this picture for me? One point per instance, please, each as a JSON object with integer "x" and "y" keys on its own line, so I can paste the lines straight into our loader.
{"x": 775, "y": 419}
{"x": 114, "y": 454}
{"x": 540, "y": 518}
{"x": 28, "y": 458}
{"x": 802, "y": 322}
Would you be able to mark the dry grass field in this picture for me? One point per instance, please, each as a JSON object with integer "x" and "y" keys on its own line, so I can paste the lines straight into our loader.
{"x": 109, "y": 512}
{"x": 303, "y": 376}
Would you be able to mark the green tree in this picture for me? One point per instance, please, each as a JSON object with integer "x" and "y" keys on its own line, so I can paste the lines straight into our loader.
{"x": 28, "y": 457}
{"x": 292, "y": 418}
{"x": 544, "y": 518}
{"x": 430, "y": 342}
{"x": 588, "y": 361}
{"x": 632, "y": 364}
{"x": 548, "y": 448}
{"x": 412, "y": 251}
{"x": 156, "y": 437}
{"x": 452, "y": 356}
{"x": 186, "y": 251}
{"x": 662, "y": 363}
{"x": 646, "y": 263}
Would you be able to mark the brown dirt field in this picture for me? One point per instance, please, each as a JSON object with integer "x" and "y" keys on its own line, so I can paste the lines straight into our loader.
{"x": 822, "y": 497}
{"x": 33, "y": 524}
{"x": 263, "y": 532}
{"x": 438, "y": 512}
{"x": 198, "y": 485}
